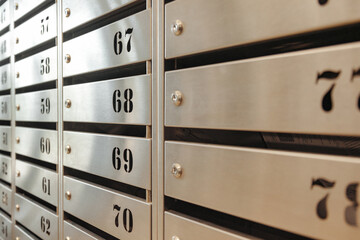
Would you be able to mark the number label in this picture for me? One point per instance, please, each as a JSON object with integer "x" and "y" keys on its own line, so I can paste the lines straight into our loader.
{"x": 4, "y": 107}
{"x": 44, "y": 27}
{"x": 45, "y": 145}
{"x": 3, "y": 15}
{"x": 5, "y": 138}
{"x": 127, "y": 218}
{"x": 45, "y": 106}
{"x": 128, "y": 103}
{"x": 4, "y": 168}
{"x": 45, "y": 66}
{"x": 127, "y": 159}
{"x": 4, "y": 229}
{"x": 4, "y": 78}
{"x": 46, "y": 185}
{"x": 45, "y": 225}
{"x": 118, "y": 45}
{"x": 3, "y": 47}
{"x": 5, "y": 198}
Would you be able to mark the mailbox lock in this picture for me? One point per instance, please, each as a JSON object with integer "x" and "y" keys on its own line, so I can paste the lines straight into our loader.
{"x": 177, "y": 28}
{"x": 17, "y": 238}
{"x": 67, "y": 12}
{"x": 176, "y": 97}
{"x": 17, "y": 206}
{"x": 175, "y": 238}
{"x": 17, "y": 140}
{"x": 67, "y": 58}
{"x": 67, "y": 238}
{"x": 18, "y": 107}
{"x": 176, "y": 170}
{"x": 17, "y": 75}
{"x": 17, "y": 40}
{"x": 67, "y": 103}
{"x": 18, "y": 173}
{"x": 68, "y": 195}
{"x": 16, "y": 6}
{"x": 68, "y": 149}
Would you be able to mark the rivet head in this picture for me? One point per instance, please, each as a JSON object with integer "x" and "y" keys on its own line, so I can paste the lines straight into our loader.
{"x": 17, "y": 40}
{"x": 68, "y": 149}
{"x": 176, "y": 98}
{"x": 68, "y": 195}
{"x": 17, "y": 107}
{"x": 67, "y": 12}
{"x": 17, "y": 238}
{"x": 67, "y": 58}
{"x": 177, "y": 28}
{"x": 67, "y": 238}
{"x": 18, "y": 173}
{"x": 17, "y": 206}
{"x": 17, "y": 140}
{"x": 16, "y": 6}
{"x": 17, "y": 75}
{"x": 176, "y": 170}
{"x": 175, "y": 238}
{"x": 67, "y": 103}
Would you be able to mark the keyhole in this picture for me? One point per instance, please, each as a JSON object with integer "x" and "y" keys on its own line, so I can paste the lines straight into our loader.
{"x": 327, "y": 100}
{"x": 321, "y": 209}
{"x": 323, "y": 2}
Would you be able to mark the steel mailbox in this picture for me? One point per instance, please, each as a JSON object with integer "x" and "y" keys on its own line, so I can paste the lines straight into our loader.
{"x": 5, "y": 173}
{"x": 74, "y": 231}
{"x": 38, "y": 181}
{"x": 39, "y": 68}
{"x": 5, "y": 82}
{"x": 123, "y": 159}
{"x": 37, "y": 143}
{"x": 5, "y": 142}
{"x": 118, "y": 214}
{"x": 192, "y": 28}
{"x": 36, "y": 218}
{"x": 4, "y": 15}
{"x": 124, "y": 42}
{"x": 312, "y": 91}
{"x": 5, "y": 46}
{"x": 5, "y": 232}
{"x": 5, "y": 112}
{"x": 126, "y": 100}
{"x": 38, "y": 106}
{"x": 22, "y": 7}
{"x": 38, "y": 29}
{"x": 23, "y": 234}
{"x": 281, "y": 189}
{"x": 6, "y": 194}
{"x": 80, "y": 12}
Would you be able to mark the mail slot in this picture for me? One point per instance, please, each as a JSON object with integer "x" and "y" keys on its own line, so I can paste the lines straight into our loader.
{"x": 5, "y": 111}
{"x": 37, "y": 143}
{"x": 36, "y": 218}
{"x": 38, "y": 181}
{"x": 117, "y": 44}
{"x": 5, "y": 138}
{"x": 5, "y": 46}
{"x": 22, "y": 7}
{"x": 39, "y": 68}
{"x": 5, "y": 173}
{"x": 5, "y": 82}
{"x": 38, "y": 29}
{"x": 198, "y": 26}
{"x": 38, "y": 106}
{"x": 118, "y": 214}
{"x": 312, "y": 91}
{"x": 23, "y": 234}
{"x": 4, "y": 15}
{"x": 6, "y": 194}
{"x": 123, "y": 159}
{"x": 124, "y": 100}
{"x": 74, "y": 231}
{"x": 5, "y": 232}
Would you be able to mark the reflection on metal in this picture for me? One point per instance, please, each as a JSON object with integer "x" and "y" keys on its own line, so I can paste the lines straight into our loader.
{"x": 5, "y": 46}
{"x": 6, "y": 196}
{"x": 74, "y": 231}
{"x": 5, "y": 173}
{"x": 6, "y": 228}
{"x": 22, "y": 234}
{"x": 24, "y": 6}
{"x": 4, "y": 15}
{"x": 5, "y": 138}
{"x": 5, "y": 81}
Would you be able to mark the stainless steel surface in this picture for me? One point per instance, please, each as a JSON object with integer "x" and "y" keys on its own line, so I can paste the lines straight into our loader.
{"x": 5, "y": 107}
{"x": 5, "y": 232}
{"x": 22, "y": 234}
{"x": 187, "y": 228}
{"x": 5, "y": 173}
{"x": 37, "y": 143}
{"x": 5, "y": 46}
{"x": 36, "y": 30}
{"x": 6, "y": 195}
{"x": 117, "y": 214}
{"x": 5, "y": 138}
{"x": 281, "y": 93}
{"x": 123, "y": 159}
{"x": 39, "y": 68}
{"x": 38, "y": 106}
{"x": 120, "y": 43}
{"x": 275, "y": 188}
{"x": 124, "y": 100}
{"x": 36, "y": 218}
{"x": 213, "y": 24}
{"x": 79, "y": 12}
{"x": 5, "y": 81}
{"x": 4, "y": 15}
{"x": 75, "y": 232}
{"x": 38, "y": 181}
{"x": 22, "y": 7}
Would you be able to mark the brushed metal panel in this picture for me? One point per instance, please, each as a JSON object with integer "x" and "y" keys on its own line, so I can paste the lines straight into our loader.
{"x": 36, "y": 218}
{"x": 74, "y": 231}
{"x": 5, "y": 138}
{"x": 96, "y": 103}
{"x": 5, "y": 173}
{"x": 38, "y": 106}
{"x": 4, "y": 15}
{"x": 206, "y": 27}
{"x": 5, "y": 46}
{"x": 38, "y": 181}
{"x": 25, "y": 6}
{"x": 37, "y": 143}
{"x": 186, "y": 228}
{"x": 123, "y": 159}
{"x": 5, "y": 81}
{"x": 6, "y": 194}
{"x": 22, "y": 234}
{"x": 280, "y": 93}
{"x": 96, "y": 50}
{"x": 102, "y": 208}
{"x": 5, "y": 107}
{"x": 83, "y": 11}
{"x": 276, "y": 188}
{"x": 36, "y": 30}
{"x": 5, "y": 232}
{"x": 39, "y": 68}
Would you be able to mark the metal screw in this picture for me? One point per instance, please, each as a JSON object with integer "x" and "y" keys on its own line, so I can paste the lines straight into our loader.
{"x": 17, "y": 140}
{"x": 17, "y": 206}
{"x": 16, "y": 6}
{"x": 67, "y": 58}
{"x": 176, "y": 97}
{"x": 175, "y": 238}
{"x": 67, "y": 103}
{"x": 17, "y": 75}
{"x": 176, "y": 170}
{"x": 18, "y": 173}
{"x": 68, "y": 195}
{"x": 67, "y": 238}
{"x": 18, "y": 107}
{"x": 17, "y": 40}
{"x": 177, "y": 28}
{"x": 68, "y": 149}
{"x": 67, "y": 12}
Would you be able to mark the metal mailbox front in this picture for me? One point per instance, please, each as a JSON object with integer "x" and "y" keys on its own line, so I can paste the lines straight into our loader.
{"x": 295, "y": 192}
{"x": 37, "y": 143}
{"x": 123, "y": 159}
{"x": 4, "y": 15}
{"x": 22, "y": 7}
{"x": 5, "y": 81}
{"x": 36, "y": 218}
{"x": 6, "y": 231}
{"x": 192, "y": 28}
{"x": 118, "y": 214}
{"x": 5, "y": 46}
{"x": 39, "y": 68}
{"x": 5, "y": 138}
{"x": 5, "y": 107}
{"x": 312, "y": 91}
{"x": 6, "y": 194}
{"x": 38, "y": 106}
{"x": 124, "y": 100}
{"x": 74, "y": 231}
{"x": 5, "y": 173}
{"x": 120, "y": 43}
{"x": 23, "y": 234}
{"x": 38, "y": 181}
{"x": 36, "y": 30}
